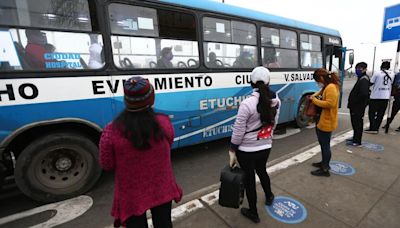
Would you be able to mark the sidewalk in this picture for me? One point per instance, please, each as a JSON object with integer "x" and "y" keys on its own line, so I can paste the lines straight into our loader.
{"x": 370, "y": 198}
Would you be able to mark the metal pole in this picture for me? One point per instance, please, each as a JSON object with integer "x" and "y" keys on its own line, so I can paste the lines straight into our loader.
{"x": 396, "y": 64}
{"x": 373, "y": 63}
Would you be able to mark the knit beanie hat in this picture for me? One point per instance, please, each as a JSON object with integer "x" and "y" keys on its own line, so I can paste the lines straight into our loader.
{"x": 138, "y": 94}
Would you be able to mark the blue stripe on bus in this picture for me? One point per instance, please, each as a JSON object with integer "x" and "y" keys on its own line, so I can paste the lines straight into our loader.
{"x": 183, "y": 107}
{"x": 219, "y": 7}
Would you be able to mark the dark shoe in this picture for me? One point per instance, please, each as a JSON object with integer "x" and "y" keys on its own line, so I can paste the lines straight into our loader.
{"x": 349, "y": 140}
{"x": 355, "y": 144}
{"x": 321, "y": 173}
{"x": 250, "y": 215}
{"x": 371, "y": 131}
{"x": 269, "y": 200}
{"x": 317, "y": 164}
{"x": 398, "y": 129}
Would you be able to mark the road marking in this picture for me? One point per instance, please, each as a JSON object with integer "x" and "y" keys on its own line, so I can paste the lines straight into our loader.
{"x": 289, "y": 132}
{"x": 65, "y": 211}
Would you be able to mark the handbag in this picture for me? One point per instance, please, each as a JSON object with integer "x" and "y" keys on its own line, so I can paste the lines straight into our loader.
{"x": 231, "y": 191}
{"x": 311, "y": 109}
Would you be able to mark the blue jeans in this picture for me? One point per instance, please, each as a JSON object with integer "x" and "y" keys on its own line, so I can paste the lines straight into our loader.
{"x": 324, "y": 139}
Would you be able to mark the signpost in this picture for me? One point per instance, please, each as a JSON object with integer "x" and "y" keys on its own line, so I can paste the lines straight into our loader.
{"x": 391, "y": 32}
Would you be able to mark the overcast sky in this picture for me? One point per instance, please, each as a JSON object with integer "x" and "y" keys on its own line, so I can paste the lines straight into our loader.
{"x": 358, "y": 21}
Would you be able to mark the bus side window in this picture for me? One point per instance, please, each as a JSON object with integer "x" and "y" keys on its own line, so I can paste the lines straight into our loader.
{"x": 148, "y": 38}
{"x": 36, "y": 48}
{"x": 42, "y": 50}
{"x": 311, "y": 54}
{"x": 229, "y": 43}
{"x": 279, "y": 48}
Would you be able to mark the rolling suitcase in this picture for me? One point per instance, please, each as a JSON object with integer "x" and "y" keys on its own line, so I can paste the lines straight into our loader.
{"x": 231, "y": 191}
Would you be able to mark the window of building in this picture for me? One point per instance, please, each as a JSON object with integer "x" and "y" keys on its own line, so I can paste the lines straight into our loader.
{"x": 311, "y": 54}
{"x": 279, "y": 48}
{"x": 151, "y": 38}
{"x": 229, "y": 43}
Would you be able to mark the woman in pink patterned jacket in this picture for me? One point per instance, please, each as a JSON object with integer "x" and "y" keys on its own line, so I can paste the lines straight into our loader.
{"x": 136, "y": 145}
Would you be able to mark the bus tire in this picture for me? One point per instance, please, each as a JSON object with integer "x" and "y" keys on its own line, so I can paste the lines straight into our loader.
{"x": 57, "y": 166}
{"x": 301, "y": 119}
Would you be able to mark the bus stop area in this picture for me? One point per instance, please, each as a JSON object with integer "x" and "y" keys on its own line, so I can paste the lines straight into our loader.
{"x": 362, "y": 191}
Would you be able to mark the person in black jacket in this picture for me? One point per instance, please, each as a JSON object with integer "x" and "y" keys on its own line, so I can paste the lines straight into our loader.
{"x": 358, "y": 101}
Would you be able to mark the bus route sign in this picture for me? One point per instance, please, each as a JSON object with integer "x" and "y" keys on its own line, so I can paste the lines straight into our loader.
{"x": 391, "y": 24}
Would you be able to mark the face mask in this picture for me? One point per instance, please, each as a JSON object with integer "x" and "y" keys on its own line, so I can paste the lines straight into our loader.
{"x": 359, "y": 73}
{"x": 320, "y": 85}
{"x": 170, "y": 56}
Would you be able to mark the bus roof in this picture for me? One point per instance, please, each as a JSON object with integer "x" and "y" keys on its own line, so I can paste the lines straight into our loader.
{"x": 219, "y": 7}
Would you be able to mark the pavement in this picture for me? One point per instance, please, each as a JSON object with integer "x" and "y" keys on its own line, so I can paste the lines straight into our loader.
{"x": 368, "y": 196}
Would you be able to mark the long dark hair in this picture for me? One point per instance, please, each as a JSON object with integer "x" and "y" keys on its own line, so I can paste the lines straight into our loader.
{"x": 267, "y": 113}
{"x": 139, "y": 127}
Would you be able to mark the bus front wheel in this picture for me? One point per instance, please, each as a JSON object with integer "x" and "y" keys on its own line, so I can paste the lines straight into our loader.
{"x": 57, "y": 166}
{"x": 302, "y": 120}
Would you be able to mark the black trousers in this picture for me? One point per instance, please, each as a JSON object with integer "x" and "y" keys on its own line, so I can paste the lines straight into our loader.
{"x": 377, "y": 108}
{"x": 395, "y": 109}
{"x": 161, "y": 216}
{"x": 357, "y": 122}
{"x": 250, "y": 162}
{"x": 324, "y": 139}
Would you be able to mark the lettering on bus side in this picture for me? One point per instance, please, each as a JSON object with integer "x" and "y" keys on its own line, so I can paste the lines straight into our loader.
{"x": 182, "y": 82}
{"x": 242, "y": 79}
{"x": 294, "y": 77}
{"x": 221, "y": 103}
{"x": 27, "y": 91}
{"x": 163, "y": 83}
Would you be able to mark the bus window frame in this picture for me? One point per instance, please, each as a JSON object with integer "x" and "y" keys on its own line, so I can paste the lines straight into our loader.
{"x": 320, "y": 35}
{"x": 230, "y": 18}
{"x": 97, "y": 28}
{"x": 157, "y": 7}
{"x": 297, "y": 32}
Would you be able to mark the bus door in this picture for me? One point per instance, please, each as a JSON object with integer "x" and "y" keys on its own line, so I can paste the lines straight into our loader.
{"x": 334, "y": 62}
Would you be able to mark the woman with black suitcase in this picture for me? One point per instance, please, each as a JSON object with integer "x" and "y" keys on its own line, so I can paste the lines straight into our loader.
{"x": 251, "y": 140}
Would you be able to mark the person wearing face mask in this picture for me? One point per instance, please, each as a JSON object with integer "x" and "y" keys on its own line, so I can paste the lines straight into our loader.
{"x": 166, "y": 57}
{"x": 328, "y": 100}
{"x": 358, "y": 101}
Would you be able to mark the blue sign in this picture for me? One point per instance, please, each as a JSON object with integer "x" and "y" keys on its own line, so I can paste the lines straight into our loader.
{"x": 341, "y": 168}
{"x": 372, "y": 146}
{"x": 287, "y": 210}
{"x": 391, "y": 23}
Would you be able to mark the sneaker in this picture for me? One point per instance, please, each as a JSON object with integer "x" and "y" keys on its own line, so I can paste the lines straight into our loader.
{"x": 355, "y": 144}
{"x": 349, "y": 140}
{"x": 317, "y": 164}
{"x": 321, "y": 173}
{"x": 250, "y": 215}
{"x": 371, "y": 131}
{"x": 269, "y": 200}
{"x": 398, "y": 129}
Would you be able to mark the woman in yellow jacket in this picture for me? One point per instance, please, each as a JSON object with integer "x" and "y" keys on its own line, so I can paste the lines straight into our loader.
{"x": 328, "y": 100}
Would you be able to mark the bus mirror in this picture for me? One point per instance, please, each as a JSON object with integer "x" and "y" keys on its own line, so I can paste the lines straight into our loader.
{"x": 351, "y": 58}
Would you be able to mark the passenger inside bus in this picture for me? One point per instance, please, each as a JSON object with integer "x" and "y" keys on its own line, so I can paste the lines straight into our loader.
{"x": 213, "y": 62}
{"x": 36, "y": 48}
{"x": 166, "y": 57}
{"x": 244, "y": 60}
{"x": 96, "y": 57}
{"x": 271, "y": 59}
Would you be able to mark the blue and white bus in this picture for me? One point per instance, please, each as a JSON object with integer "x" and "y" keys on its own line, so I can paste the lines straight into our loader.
{"x": 63, "y": 64}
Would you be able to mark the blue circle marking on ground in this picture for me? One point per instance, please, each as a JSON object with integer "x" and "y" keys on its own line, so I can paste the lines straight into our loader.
{"x": 287, "y": 210}
{"x": 372, "y": 146}
{"x": 341, "y": 168}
